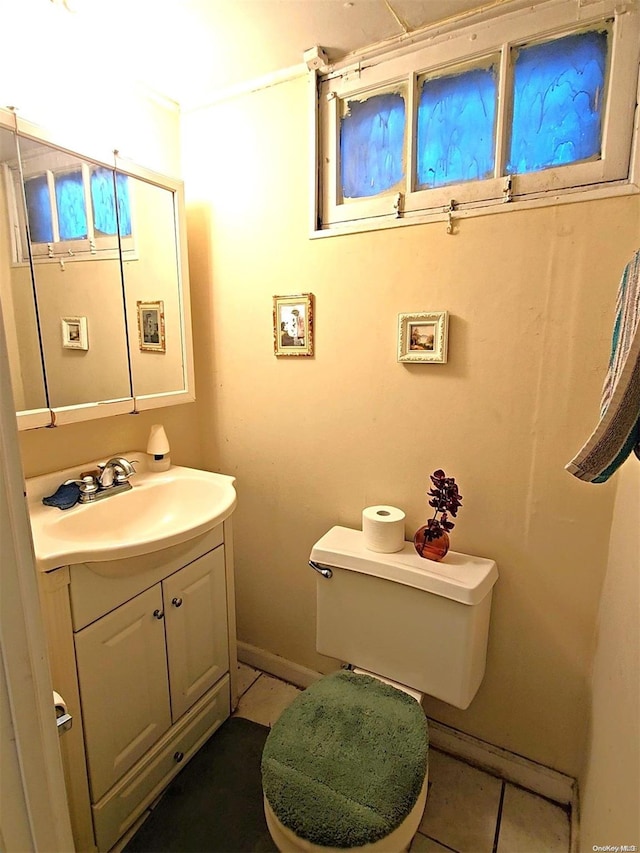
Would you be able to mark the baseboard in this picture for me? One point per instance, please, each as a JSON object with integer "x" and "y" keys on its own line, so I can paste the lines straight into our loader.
{"x": 501, "y": 762}
{"x": 492, "y": 759}
{"x": 282, "y": 668}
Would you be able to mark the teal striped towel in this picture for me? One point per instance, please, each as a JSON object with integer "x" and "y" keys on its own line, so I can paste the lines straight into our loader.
{"x": 618, "y": 431}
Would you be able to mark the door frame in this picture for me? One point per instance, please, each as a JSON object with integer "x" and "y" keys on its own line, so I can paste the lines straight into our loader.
{"x": 35, "y": 814}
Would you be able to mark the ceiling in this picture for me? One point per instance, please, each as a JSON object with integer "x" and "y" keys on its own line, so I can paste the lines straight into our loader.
{"x": 193, "y": 50}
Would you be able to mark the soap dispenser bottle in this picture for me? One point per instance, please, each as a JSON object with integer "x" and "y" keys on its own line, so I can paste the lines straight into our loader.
{"x": 158, "y": 449}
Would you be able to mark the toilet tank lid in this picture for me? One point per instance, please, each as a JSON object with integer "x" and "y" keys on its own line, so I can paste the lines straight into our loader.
{"x": 459, "y": 577}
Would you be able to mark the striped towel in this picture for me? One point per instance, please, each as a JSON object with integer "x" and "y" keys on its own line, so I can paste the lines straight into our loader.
{"x": 618, "y": 431}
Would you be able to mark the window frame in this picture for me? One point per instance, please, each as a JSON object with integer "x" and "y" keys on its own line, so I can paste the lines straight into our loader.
{"x": 449, "y": 51}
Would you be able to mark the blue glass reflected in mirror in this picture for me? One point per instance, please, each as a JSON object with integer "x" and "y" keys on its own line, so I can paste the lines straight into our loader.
{"x": 456, "y": 128}
{"x": 72, "y": 214}
{"x": 124, "y": 204}
{"x": 372, "y": 134}
{"x": 558, "y": 102}
{"x": 39, "y": 209}
{"x": 103, "y": 200}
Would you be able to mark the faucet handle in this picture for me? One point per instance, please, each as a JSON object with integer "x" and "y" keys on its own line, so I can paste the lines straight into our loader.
{"x": 116, "y": 470}
{"x": 106, "y": 475}
{"x": 88, "y": 484}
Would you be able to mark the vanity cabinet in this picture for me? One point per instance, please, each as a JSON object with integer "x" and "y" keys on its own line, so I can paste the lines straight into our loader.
{"x": 126, "y": 712}
{"x": 162, "y": 650}
{"x": 152, "y": 661}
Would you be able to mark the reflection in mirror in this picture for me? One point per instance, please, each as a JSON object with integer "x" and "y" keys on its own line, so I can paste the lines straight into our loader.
{"x": 152, "y": 289}
{"x": 71, "y": 218}
{"x": 16, "y": 289}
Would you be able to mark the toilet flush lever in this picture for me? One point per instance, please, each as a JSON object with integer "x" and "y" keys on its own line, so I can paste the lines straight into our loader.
{"x": 325, "y": 571}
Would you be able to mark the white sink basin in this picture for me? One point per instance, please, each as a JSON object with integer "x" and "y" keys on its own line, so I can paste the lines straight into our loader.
{"x": 160, "y": 510}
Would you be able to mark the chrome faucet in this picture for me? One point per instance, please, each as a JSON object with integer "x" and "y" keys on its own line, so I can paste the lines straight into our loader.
{"x": 113, "y": 478}
{"x": 116, "y": 472}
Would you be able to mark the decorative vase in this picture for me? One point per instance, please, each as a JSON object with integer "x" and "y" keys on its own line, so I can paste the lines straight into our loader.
{"x": 434, "y": 550}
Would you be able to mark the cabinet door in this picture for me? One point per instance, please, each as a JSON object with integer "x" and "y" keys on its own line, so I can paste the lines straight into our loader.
{"x": 122, "y": 671}
{"x": 196, "y": 622}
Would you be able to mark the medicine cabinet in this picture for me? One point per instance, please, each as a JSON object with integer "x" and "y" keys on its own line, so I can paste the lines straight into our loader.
{"x": 93, "y": 282}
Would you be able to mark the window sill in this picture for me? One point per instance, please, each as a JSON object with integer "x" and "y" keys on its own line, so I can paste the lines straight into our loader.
{"x": 468, "y": 211}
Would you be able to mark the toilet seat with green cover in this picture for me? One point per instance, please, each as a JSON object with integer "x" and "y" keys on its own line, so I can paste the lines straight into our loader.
{"x": 345, "y": 763}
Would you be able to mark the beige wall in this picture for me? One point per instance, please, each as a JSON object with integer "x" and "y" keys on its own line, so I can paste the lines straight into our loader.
{"x": 610, "y": 779}
{"x": 90, "y": 289}
{"x": 312, "y": 441}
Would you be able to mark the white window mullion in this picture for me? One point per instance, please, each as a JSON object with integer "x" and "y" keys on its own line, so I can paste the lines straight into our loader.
{"x": 503, "y": 112}
{"x": 619, "y": 112}
{"x": 331, "y": 161}
{"x": 55, "y": 224}
{"x": 411, "y": 141}
{"x": 88, "y": 206}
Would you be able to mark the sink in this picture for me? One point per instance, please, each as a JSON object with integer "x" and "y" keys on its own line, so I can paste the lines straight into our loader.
{"x": 160, "y": 510}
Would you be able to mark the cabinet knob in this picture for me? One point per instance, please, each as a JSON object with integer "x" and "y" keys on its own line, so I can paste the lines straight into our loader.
{"x": 177, "y": 602}
{"x": 159, "y": 614}
{"x": 178, "y": 756}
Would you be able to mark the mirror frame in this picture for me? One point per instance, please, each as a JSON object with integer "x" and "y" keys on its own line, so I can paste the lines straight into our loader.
{"x": 186, "y": 394}
{"x": 58, "y": 416}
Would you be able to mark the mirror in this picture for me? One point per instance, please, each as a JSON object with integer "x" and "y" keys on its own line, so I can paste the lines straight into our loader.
{"x": 17, "y": 293}
{"x": 70, "y": 205}
{"x": 93, "y": 283}
{"x": 152, "y": 290}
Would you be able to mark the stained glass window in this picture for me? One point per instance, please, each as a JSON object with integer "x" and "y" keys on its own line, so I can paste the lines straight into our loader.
{"x": 39, "y": 209}
{"x": 372, "y": 134}
{"x": 72, "y": 214}
{"x": 455, "y": 127}
{"x": 441, "y": 122}
{"x": 104, "y": 205}
{"x": 558, "y": 102}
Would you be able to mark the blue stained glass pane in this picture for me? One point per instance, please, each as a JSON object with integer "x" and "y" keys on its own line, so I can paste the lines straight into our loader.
{"x": 558, "y": 102}
{"x": 72, "y": 214}
{"x": 456, "y": 120}
{"x": 39, "y": 209}
{"x": 102, "y": 201}
{"x": 124, "y": 205}
{"x": 104, "y": 206}
{"x": 372, "y": 145}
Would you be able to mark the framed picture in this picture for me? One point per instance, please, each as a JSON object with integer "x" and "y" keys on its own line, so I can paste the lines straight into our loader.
{"x": 74, "y": 333}
{"x": 151, "y": 326}
{"x": 293, "y": 324}
{"x": 423, "y": 337}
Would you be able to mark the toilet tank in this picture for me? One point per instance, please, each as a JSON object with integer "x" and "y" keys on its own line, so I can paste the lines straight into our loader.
{"x": 415, "y": 621}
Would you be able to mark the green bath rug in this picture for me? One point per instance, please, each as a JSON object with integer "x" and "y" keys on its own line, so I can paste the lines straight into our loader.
{"x": 215, "y": 803}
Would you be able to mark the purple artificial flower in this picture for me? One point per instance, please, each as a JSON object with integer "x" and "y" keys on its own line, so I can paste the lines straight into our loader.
{"x": 445, "y": 500}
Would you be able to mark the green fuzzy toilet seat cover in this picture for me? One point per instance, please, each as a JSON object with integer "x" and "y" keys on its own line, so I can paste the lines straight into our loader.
{"x": 345, "y": 762}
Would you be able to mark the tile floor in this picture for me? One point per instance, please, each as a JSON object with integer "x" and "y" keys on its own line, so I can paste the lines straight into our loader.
{"x": 468, "y": 810}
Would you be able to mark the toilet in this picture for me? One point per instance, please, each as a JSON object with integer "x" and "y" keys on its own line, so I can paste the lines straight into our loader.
{"x": 346, "y": 764}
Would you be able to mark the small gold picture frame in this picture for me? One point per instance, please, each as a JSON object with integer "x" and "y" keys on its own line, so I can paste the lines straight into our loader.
{"x": 293, "y": 324}
{"x": 74, "y": 333}
{"x": 151, "y": 326}
{"x": 423, "y": 337}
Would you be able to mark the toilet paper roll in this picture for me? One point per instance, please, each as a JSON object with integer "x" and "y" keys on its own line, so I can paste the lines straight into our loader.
{"x": 383, "y": 529}
{"x": 60, "y": 705}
